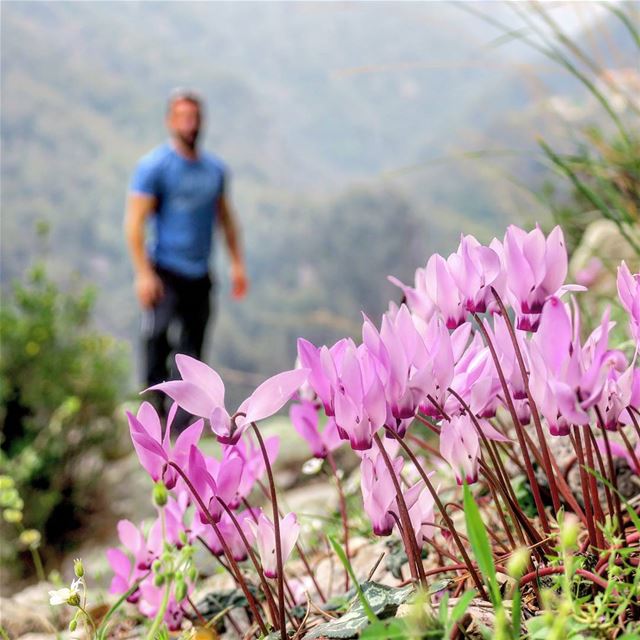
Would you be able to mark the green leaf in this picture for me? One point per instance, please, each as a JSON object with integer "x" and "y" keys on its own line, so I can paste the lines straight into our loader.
{"x": 479, "y": 540}
{"x": 386, "y": 630}
{"x": 337, "y": 547}
{"x": 459, "y": 610}
{"x": 516, "y": 614}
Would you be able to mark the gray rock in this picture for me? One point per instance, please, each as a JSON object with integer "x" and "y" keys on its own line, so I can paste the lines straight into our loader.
{"x": 19, "y": 620}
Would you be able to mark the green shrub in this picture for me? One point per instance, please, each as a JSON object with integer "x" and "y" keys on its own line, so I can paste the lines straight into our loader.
{"x": 60, "y": 384}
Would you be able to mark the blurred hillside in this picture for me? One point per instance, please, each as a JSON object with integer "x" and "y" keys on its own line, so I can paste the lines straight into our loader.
{"x": 345, "y": 126}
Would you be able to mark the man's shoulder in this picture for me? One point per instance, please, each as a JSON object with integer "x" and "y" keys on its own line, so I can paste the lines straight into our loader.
{"x": 157, "y": 156}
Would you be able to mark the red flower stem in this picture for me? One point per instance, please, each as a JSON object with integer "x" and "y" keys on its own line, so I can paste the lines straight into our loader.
{"x": 463, "y": 552}
{"x": 509, "y": 453}
{"x": 548, "y": 571}
{"x": 276, "y": 527}
{"x": 632, "y": 411}
{"x": 405, "y": 542}
{"x": 343, "y": 513}
{"x": 593, "y": 487}
{"x": 631, "y": 538}
{"x": 503, "y": 519}
{"x": 300, "y": 551}
{"x": 630, "y": 448}
{"x": 263, "y": 581}
{"x": 413, "y": 552}
{"x": 535, "y": 488}
{"x": 532, "y": 405}
{"x": 613, "y": 478}
{"x": 428, "y": 424}
{"x": 196, "y": 611}
{"x": 603, "y": 472}
{"x": 227, "y": 552}
{"x": 566, "y": 491}
{"x": 536, "y": 541}
{"x": 504, "y": 485}
{"x": 500, "y": 469}
{"x": 584, "y": 482}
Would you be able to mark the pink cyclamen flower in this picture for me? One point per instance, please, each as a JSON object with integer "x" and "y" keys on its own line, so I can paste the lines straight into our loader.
{"x": 155, "y": 451}
{"x": 568, "y": 378}
{"x": 417, "y": 298}
{"x": 421, "y": 505}
{"x": 304, "y": 417}
{"x": 629, "y": 294}
{"x": 378, "y": 491}
{"x": 151, "y": 598}
{"x": 347, "y": 381}
{"x": 230, "y": 534}
{"x": 536, "y": 268}
{"x": 460, "y": 447}
{"x": 254, "y": 465}
{"x": 474, "y": 269}
{"x": 201, "y": 392}
{"x": 213, "y": 481}
{"x": 265, "y": 535}
{"x": 621, "y": 451}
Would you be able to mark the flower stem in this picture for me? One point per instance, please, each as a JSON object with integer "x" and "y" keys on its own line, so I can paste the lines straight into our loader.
{"x": 227, "y": 552}
{"x": 531, "y": 476}
{"x": 276, "y": 526}
{"x": 265, "y": 585}
{"x": 413, "y": 551}
{"x": 463, "y": 552}
{"x": 343, "y": 514}
{"x": 160, "y": 614}
{"x": 532, "y": 405}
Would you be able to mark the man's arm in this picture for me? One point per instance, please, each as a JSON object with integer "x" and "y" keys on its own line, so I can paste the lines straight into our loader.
{"x": 239, "y": 283}
{"x": 147, "y": 283}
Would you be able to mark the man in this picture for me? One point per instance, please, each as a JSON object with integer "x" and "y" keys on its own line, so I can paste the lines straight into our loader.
{"x": 181, "y": 191}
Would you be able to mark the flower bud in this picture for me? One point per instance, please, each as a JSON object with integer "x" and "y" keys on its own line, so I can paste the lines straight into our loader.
{"x": 158, "y": 580}
{"x": 517, "y": 563}
{"x": 156, "y": 566}
{"x": 569, "y": 534}
{"x": 180, "y": 592}
{"x": 78, "y": 568}
{"x": 193, "y": 574}
{"x": 30, "y": 538}
{"x": 183, "y": 537}
{"x": 74, "y": 600}
{"x": 6, "y": 482}
{"x": 12, "y": 515}
{"x": 73, "y": 625}
{"x": 160, "y": 494}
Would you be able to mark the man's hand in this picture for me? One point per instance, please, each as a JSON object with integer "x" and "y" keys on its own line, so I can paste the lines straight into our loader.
{"x": 239, "y": 282}
{"x": 149, "y": 288}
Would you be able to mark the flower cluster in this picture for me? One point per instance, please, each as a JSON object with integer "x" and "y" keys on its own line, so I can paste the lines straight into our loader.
{"x": 449, "y": 357}
{"x": 217, "y": 489}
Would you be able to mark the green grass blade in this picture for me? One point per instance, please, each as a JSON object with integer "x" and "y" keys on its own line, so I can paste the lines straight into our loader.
{"x": 479, "y": 540}
{"x": 337, "y": 547}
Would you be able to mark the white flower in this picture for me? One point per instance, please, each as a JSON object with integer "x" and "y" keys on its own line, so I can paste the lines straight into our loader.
{"x": 66, "y": 595}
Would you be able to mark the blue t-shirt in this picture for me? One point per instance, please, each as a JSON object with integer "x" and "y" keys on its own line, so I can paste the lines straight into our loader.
{"x": 188, "y": 192}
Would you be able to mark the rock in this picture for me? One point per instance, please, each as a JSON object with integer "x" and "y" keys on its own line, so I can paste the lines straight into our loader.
{"x": 19, "y": 620}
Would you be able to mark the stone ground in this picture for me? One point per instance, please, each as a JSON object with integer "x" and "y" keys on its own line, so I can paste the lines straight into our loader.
{"x": 25, "y": 611}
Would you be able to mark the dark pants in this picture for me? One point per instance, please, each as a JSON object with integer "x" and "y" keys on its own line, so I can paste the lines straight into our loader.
{"x": 176, "y": 324}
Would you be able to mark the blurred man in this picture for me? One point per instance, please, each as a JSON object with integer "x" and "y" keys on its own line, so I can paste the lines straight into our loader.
{"x": 181, "y": 191}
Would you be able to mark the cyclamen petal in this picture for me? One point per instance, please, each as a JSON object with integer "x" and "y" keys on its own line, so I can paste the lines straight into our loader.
{"x": 201, "y": 375}
{"x": 264, "y": 532}
{"x": 460, "y": 447}
{"x": 273, "y": 394}
{"x": 191, "y": 397}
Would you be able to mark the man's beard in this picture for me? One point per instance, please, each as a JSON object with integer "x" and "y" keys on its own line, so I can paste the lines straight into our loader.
{"x": 188, "y": 141}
